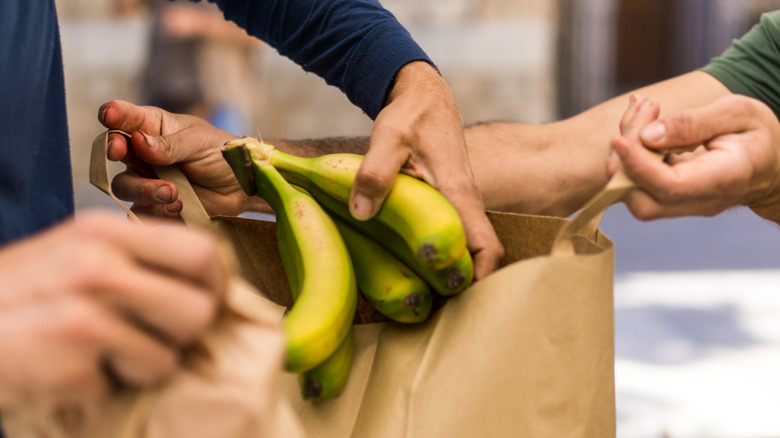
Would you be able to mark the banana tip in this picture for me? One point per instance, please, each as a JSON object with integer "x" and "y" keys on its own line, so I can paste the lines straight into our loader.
{"x": 427, "y": 251}
{"x": 454, "y": 278}
{"x": 312, "y": 389}
{"x": 413, "y": 300}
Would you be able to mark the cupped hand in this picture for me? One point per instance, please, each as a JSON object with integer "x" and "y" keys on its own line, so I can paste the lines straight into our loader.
{"x": 161, "y": 138}
{"x": 99, "y": 299}
{"x": 723, "y": 154}
{"x": 420, "y": 132}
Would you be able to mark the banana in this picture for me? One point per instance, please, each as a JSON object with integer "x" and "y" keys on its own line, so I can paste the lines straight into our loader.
{"x": 386, "y": 282}
{"x": 418, "y": 213}
{"x": 317, "y": 263}
{"x": 327, "y": 379}
{"x": 451, "y": 280}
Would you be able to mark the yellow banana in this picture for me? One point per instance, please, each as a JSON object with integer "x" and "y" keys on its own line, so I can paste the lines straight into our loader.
{"x": 451, "y": 280}
{"x": 418, "y": 213}
{"x": 386, "y": 282}
{"x": 327, "y": 379}
{"x": 325, "y": 289}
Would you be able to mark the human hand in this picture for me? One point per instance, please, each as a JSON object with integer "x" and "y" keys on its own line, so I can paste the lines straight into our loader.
{"x": 161, "y": 138}
{"x": 735, "y": 159}
{"x": 99, "y": 299}
{"x": 420, "y": 132}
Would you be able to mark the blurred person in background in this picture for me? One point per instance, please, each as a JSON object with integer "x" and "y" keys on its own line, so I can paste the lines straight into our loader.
{"x": 728, "y": 110}
{"x": 200, "y": 64}
{"x": 80, "y": 303}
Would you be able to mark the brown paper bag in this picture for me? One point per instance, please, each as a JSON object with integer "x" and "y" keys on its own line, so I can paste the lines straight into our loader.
{"x": 527, "y": 351}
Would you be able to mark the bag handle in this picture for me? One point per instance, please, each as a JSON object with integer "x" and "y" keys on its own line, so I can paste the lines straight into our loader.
{"x": 241, "y": 300}
{"x": 586, "y": 222}
{"x": 193, "y": 213}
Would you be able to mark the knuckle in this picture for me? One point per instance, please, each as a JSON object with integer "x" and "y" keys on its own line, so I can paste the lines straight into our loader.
{"x": 394, "y": 133}
{"x": 78, "y": 321}
{"x": 373, "y": 180}
{"x": 201, "y": 315}
{"x": 88, "y": 266}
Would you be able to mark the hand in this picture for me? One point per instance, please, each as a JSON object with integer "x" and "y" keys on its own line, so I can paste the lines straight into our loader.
{"x": 99, "y": 296}
{"x": 161, "y": 138}
{"x": 420, "y": 132}
{"x": 735, "y": 159}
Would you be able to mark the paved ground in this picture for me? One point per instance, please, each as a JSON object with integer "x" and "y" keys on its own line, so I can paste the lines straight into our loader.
{"x": 697, "y": 354}
{"x": 697, "y": 337}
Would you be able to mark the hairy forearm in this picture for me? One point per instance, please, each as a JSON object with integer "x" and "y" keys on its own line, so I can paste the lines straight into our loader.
{"x": 551, "y": 168}
{"x": 555, "y": 168}
{"x": 323, "y": 146}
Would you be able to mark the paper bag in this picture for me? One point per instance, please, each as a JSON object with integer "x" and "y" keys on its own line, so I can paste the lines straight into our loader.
{"x": 526, "y": 352}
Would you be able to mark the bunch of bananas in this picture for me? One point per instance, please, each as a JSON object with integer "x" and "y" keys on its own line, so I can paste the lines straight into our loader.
{"x": 413, "y": 249}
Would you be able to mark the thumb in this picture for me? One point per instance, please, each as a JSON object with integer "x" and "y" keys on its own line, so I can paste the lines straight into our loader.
{"x": 154, "y": 150}
{"x": 374, "y": 180}
{"x": 695, "y": 126}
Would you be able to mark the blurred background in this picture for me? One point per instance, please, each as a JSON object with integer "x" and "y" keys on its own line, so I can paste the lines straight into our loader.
{"x": 697, "y": 299}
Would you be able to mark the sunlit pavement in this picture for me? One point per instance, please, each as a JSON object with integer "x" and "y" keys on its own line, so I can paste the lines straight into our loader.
{"x": 697, "y": 326}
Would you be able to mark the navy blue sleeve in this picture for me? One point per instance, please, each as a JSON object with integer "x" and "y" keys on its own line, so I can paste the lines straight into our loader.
{"x": 355, "y": 45}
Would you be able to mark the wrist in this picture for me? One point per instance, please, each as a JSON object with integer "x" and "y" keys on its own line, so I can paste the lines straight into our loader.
{"x": 413, "y": 74}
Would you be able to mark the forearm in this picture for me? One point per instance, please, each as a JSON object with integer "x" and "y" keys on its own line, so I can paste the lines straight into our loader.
{"x": 552, "y": 168}
{"x": 355, "y": 45}
{"x": 555, "y": 168}
{"x": 322, "y": 146}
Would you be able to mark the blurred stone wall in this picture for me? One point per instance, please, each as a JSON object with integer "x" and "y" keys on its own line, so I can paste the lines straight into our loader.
{"x": 497, "y": 55}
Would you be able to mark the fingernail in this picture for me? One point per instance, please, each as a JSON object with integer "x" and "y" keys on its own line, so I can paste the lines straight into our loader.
{"x": 646, "y": 105}
{"x": 362, "y": 208}
{"x": 174, "y": 207}
{"x": 163, "y": 193}
{"x": 102, "y": 114}
{"x": 654, "y": 132}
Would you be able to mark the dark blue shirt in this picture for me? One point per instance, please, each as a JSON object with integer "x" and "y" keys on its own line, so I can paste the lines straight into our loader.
{"x": 35, "y": 176}
{"x": 355, "y": 45}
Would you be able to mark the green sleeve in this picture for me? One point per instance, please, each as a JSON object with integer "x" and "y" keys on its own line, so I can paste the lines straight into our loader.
{"x": 751, "y": 66}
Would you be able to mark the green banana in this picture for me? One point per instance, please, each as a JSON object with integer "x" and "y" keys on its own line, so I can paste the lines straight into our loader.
{"x": 419, "y": 214}
{"x": 317, "y": 264}
{"x": 386, "y": 282}
{"x": 451, "y": 280}
{"x": 327, "y": 379}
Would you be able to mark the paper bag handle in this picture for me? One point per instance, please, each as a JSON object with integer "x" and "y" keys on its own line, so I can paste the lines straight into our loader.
{"x": 240, "y": 299}
{"x": 192, "y": 211}
{"x": 586, "y": 221}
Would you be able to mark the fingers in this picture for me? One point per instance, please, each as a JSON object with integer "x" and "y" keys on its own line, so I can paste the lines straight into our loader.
{"x": 177, "y": 251}
{"x": 700, "y": 186}
{"x": 693, "y": 127}
{"x": 133, "y": 356}
{"x": 123, "y": 115}
{"x": 377, "y": 173}
{"x": 483, "y": 243}
{"x": 640, "y": 112}
{"x": 173, "y": 310}
{"x": 131, "y": 187}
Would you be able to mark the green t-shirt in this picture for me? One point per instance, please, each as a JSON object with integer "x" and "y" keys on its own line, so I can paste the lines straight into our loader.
{"x": 751, "y": 66}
